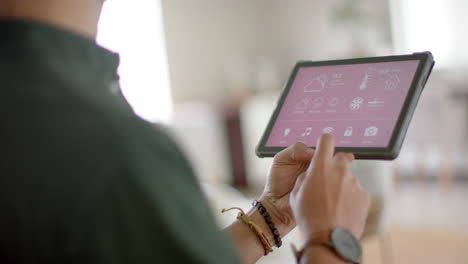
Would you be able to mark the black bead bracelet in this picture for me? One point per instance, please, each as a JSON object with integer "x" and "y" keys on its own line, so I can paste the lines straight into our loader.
{"x": 269, "y": 222}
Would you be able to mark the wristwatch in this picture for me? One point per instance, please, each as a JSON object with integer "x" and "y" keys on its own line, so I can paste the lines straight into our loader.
{"x": 340, "y": 240}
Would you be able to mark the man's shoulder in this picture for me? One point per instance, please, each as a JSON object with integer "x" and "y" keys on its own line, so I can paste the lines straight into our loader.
{"x": 49, "y": 115}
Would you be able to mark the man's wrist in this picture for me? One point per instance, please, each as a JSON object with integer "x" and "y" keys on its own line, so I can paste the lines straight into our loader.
{"x": 257, "y": 218}
{"x": 269, "y": 221}
{"x": 283, "y": 227}
{"x": 281, "y": 215}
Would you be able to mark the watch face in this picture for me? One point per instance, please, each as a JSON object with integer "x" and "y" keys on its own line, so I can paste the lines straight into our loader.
{"x": 346, "y": 245}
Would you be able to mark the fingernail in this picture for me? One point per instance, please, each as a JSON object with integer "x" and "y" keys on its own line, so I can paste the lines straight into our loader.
{"x": 309, "y": 151}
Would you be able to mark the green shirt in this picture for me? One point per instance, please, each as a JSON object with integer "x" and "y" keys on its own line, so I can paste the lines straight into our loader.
{"x": 83, "y": 180}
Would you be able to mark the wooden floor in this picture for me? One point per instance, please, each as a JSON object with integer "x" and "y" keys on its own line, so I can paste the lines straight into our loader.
{"x": 428, "y": 223}
{"x": 411, "y": 245}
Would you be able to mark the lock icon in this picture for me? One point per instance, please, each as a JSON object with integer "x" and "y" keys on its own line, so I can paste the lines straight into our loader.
{"x": 348, "y": 132}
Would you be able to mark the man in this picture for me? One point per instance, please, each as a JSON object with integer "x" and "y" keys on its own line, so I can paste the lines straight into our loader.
{"x": 85, "y": 181}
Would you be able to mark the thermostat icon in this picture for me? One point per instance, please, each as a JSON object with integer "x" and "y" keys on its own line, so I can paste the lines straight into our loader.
{"x": 371, "y": 131}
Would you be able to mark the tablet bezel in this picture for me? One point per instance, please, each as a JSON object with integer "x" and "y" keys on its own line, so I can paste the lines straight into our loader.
{"x": 426, "y": 63}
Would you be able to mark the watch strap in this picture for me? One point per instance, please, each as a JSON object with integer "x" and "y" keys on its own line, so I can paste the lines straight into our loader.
{"x": 322, "y": 238}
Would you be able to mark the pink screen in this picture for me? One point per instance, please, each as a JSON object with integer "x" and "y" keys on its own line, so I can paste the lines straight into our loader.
{"x": 359, "y": 104}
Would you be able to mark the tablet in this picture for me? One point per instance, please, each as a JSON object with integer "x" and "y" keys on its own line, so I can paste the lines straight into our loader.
{"x": 366, "y": 103}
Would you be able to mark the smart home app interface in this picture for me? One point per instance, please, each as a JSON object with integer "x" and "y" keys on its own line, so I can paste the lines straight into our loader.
{"x": 359, "y": 104}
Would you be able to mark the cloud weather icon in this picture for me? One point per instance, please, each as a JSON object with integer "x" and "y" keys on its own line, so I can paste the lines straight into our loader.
{"x": 317, "y": 84}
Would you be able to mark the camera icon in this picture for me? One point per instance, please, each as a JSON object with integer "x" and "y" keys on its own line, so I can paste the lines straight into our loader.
{"x": 371, "y": 131}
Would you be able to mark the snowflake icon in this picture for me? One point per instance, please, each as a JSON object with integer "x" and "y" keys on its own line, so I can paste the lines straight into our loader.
{"x": 356, "y": 103}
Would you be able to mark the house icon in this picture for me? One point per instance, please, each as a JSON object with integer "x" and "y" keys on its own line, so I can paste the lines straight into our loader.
{"x": 392, "y": 82}
{"x": 316, "y": 85}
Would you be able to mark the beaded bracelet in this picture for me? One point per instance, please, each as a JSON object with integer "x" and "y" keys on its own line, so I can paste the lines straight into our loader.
{"x": 269, "y": 222}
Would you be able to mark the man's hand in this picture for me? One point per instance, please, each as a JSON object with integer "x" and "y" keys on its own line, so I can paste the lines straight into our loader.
{"x": 287, "y": 166}
{"x": 326, "y": 195}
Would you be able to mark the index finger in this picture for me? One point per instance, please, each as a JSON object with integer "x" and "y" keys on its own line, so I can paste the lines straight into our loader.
{"x": 325, "y": 148}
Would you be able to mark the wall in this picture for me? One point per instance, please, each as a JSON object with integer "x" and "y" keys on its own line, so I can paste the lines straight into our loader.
{"x": 217, "y": 48}
{"x": 210, "y": 43}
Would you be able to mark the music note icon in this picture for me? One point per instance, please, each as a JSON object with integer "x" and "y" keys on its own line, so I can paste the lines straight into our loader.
{"x": 307, "y": 132}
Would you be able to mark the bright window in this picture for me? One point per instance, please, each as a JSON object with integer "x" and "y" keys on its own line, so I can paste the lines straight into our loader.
{"x": 134, "y": 29}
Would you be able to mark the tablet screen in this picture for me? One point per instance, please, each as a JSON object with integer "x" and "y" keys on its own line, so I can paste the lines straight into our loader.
{"x": 358, "y": 103}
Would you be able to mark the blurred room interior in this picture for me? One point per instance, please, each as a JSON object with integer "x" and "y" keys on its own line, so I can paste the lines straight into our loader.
{"x": 212, "y": 70}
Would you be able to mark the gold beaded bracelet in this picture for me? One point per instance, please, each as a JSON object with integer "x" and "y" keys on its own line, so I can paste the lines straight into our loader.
{"x": 246, "y": 219}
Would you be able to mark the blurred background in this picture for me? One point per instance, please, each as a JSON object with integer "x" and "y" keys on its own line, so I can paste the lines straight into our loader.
{"x": 212, "y": 71}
